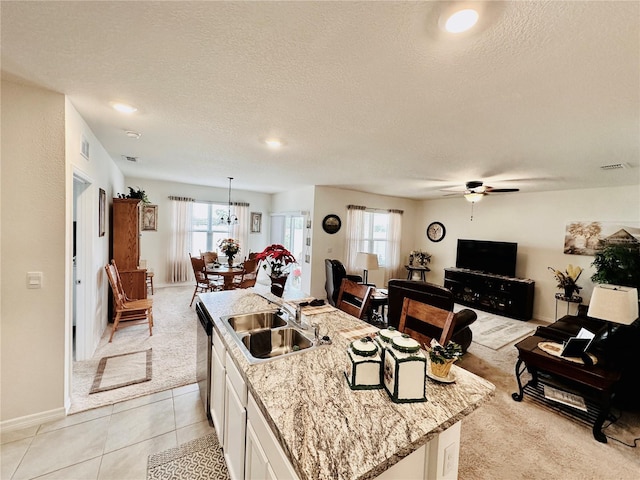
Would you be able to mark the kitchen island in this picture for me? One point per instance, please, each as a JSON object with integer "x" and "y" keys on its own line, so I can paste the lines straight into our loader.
{"x": 322, "y": 428}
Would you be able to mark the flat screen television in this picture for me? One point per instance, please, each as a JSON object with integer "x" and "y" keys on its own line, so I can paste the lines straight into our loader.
{"x": 485, "y": 256}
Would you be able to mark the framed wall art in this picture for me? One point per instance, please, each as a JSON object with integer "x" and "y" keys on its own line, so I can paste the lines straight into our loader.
{"x": 149, "y": 218}
{"x": 331, "y": 223}
{"x": 256, "y": 222}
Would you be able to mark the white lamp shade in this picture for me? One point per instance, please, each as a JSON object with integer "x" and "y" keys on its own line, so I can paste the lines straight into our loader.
{"x": 614, "y": 303}
{"x": 473, "y": 197}
{"x": 367, "y": 261}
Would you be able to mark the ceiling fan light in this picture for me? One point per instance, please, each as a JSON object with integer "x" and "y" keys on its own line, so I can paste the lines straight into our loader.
{"x": 473, "y": 197}
{"x": 461, "y": 21}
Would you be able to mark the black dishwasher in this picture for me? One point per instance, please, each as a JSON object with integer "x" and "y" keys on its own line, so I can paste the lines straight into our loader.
{"x": 203, "y": 357}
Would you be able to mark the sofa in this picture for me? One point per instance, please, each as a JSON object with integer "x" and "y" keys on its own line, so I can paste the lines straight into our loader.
{"x": 430, "y": 294}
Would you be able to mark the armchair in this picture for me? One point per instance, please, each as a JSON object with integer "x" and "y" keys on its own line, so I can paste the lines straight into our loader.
{"x": 431, "y": 295}
{"x": 335, "y": 273}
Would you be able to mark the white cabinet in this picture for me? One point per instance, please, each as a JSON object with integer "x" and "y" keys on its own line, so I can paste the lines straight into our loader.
{"x": 265, "y": 459}
{"x": 235, "y": 421}
{"x": 218, "y": 386}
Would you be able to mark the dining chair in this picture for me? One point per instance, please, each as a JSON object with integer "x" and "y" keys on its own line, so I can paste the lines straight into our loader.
{"x": 440, "y": 323}
{"x": 149, "y": 274}
{"x": 354, "y": 298}
{"x": 133, "y": 312}
{"x": 249, "y": 274}
{"x": 203, "y": 283}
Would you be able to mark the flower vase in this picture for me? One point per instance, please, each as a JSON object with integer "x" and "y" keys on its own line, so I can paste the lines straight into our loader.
{"x": 230, "y": 261}
{"x": 441, "y": 369}
{"x": 568, "y": 291}
{"x": 277, "y": 284}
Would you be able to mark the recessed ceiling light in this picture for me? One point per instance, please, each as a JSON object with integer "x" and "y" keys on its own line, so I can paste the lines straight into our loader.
{"x": 124, "y": 108}
{"x": 273, "y": 142}
{"x": 132, "y": 134}
{"x": 461, "y": 21}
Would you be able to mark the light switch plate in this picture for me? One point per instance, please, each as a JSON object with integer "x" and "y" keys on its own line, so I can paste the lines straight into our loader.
{"x": 34, "y": 279}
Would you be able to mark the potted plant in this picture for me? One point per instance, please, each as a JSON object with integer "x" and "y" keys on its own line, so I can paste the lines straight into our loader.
{"x": 139, "y": 193}
{"x": 567, "y": 279}
{"x": 618, "y": 265}
{"x": 441, "y": 358}
{"x": 278, "y": 259}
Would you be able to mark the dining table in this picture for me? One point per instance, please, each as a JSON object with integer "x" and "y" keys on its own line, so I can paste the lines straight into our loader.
{"x": 226, "y": 272}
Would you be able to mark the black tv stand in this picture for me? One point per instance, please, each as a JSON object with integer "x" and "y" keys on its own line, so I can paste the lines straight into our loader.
{"x": 506, "y": 296}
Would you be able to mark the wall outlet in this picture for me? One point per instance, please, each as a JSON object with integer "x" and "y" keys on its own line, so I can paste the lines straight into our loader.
{"x": 34, "y": 279}
{"x": 450, "y": 460}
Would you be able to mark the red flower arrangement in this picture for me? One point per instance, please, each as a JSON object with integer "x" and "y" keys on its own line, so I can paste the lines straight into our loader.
{"x": 278, "y": 258}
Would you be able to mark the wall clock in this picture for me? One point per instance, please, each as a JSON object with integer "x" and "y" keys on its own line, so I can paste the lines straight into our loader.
{"x": 436, "y": 231}
{"x": 331, "y": 223}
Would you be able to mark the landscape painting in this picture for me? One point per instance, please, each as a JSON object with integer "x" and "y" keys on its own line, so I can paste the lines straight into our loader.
{"x": 588, "y": 238}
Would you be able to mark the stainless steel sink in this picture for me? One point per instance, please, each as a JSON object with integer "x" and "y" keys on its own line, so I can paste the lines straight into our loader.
{"x": 267, "y": 335}
{"x": 271, "y": 343}
{"x": 248, "y": 322}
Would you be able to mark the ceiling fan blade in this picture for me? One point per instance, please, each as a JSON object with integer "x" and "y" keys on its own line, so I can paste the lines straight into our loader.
{"x": 502, "y": 190}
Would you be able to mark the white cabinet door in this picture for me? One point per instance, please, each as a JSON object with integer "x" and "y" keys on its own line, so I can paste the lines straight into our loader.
{"x": 256, "y": 465}
{"x": 235, "y": 419}
{"x": 217, "y": 394}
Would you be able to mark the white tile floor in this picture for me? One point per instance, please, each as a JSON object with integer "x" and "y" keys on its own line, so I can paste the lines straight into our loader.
{"x": 111, "y": 442}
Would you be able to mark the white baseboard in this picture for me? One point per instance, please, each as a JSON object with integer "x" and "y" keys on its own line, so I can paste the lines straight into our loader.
{"x": 32, "y": 420}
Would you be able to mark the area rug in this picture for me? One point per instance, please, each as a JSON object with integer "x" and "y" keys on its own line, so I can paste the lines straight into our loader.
{"x": 122, "y": 370}
{"x": 200, "y": 459}
{"x": 495, "y": 332}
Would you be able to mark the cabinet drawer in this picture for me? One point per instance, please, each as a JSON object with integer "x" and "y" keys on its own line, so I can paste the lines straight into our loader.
{"x": 233, "y": 374}
{"x": 277, "y": 460}
{"x": 218, "y": 345}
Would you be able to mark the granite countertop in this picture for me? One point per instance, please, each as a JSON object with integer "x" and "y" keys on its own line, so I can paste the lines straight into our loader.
{"x": 326, "y": 429}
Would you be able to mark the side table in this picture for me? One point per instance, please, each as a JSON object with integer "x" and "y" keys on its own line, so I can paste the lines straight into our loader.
{"x": 562, "y": 298}
{"x": 596, "y": 384}
{"x": 415, "y": 268}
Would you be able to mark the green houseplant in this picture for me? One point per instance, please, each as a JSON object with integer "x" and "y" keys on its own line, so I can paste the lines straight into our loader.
{"x": 618, "y": 265}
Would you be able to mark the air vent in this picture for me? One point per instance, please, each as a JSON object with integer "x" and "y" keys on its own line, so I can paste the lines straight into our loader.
{"x": 614, "y": 166}
{"x": 130, "y": 159}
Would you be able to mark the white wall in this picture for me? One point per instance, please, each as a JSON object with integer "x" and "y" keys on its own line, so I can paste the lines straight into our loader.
{"x": 329, "y": 200}
{"x": 536, "y": 221}
{"x": 33, "y": 240}
{"x": 154, "y": 246}
{"x": 101, "y": 172}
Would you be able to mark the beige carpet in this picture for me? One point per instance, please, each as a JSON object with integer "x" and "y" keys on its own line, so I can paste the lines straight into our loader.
{"x": 174, "y": 352}
{"x": 505, "y": 439}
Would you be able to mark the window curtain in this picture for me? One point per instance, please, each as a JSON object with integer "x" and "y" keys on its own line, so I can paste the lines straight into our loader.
{"x": 355, "y": 234}
{"x": 393, "y": 246}
{"x": 240, "y": 231}
{"x": 179, "y": 263}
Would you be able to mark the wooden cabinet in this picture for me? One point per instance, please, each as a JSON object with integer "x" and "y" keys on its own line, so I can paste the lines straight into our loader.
{"x": 125, "y": 246}
{"x": 218, "y": 385}
{"x": 235, "y": 421}
{"x": 506, "y": 296}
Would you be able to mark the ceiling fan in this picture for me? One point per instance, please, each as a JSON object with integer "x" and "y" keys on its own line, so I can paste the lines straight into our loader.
{"x": 475, "y": 190}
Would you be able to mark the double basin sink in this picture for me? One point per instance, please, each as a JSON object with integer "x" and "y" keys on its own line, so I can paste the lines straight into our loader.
{"x": 266, "y": 335}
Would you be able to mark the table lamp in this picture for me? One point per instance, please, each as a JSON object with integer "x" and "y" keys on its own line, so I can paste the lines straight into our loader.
{"x": 614, "y": 303}
{"x": 366, "y": 261}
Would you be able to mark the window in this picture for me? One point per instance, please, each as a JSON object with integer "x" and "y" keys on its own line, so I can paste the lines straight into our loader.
{"x": 206, "y": 231}
{"x": 375, "y": 235}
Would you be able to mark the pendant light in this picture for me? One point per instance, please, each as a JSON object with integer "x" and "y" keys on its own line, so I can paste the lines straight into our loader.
{"x": 228, "y": 218}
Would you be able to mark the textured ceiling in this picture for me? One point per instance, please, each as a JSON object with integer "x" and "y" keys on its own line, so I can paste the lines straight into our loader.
{"x": 370, "y": 96}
